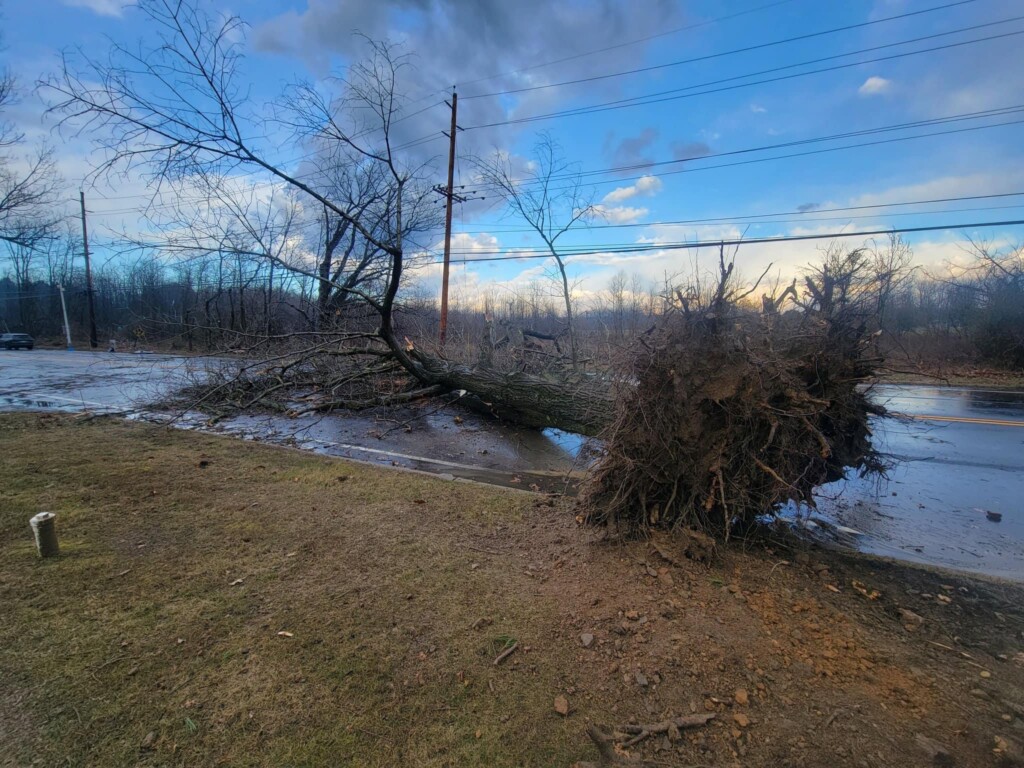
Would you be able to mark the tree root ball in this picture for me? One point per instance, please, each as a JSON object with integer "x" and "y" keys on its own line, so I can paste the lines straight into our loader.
{"x": 730, "y": 415}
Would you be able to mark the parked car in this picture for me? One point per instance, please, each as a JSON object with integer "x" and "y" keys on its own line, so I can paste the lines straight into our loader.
{"x": 16, "y": 341}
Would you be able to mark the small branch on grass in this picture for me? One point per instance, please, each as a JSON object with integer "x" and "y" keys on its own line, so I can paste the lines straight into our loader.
{"x": 671, "y": 727}
{"x": 630, "y": 735}
{"x": 605, "y": 744}
{"x": 832, "y": 718}
{"x": 506, "y": 653}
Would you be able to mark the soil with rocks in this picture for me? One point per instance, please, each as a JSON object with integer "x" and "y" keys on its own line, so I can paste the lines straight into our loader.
{"x": 806, "y": 657}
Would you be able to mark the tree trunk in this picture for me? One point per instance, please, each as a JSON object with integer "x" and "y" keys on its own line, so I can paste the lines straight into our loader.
{"x": 581, "y": 404}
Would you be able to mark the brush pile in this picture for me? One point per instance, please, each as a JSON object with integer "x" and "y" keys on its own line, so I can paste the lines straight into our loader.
{"x": 733, "y": 413}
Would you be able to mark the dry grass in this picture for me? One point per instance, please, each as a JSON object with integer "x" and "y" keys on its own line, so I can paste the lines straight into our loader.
{"x": 138, "y": 628}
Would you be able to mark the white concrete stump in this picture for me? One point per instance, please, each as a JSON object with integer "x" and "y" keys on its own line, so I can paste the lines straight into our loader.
{"x": 44, "y": 528}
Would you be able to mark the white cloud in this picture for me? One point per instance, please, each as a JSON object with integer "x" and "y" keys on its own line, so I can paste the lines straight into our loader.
{"x": 875, "y": 86}
{"x": 647, "y": 186}
{"x": 757, "y": 109}
{"x": 619, "y": 214}
{"x": 102, "y": 7}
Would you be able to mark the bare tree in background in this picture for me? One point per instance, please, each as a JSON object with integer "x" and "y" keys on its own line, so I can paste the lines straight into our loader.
{"x": 995, "y": 283}
{"x": 893, "y": 271}
{"x": 28, "y": 183}
{"x": 550, "y": 198}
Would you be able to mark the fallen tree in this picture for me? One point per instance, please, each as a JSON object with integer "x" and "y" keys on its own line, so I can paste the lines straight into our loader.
{"x": 732, "y": 414}
{"x": 571, "y": 401}
{"x": 180, "y": 110}
{"x": 711, "y": 380}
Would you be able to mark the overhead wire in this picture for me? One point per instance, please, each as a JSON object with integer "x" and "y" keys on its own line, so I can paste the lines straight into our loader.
{"x": 660, "y": 97}
{"x": 717, "y": 55}
{"x": 754, "y": 218}
{"x": 650, "y": 99}
{"x": 688, "y": 245}
{"x": 616, "y": 46}
{"x": 928, "y": 122}
{"x": 791, "y": 155}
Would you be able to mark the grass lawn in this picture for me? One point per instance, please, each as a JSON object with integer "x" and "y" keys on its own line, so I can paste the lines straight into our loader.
{"x": 222, "y": 603}
{"x": 156, "y": 637}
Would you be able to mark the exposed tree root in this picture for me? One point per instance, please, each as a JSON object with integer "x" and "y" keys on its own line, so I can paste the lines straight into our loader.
{"x": 730, "y": 414}
{"x": 610, "y": 745}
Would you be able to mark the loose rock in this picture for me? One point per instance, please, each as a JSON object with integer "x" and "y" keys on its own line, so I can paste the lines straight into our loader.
{"x": 562, "y": 706}
{"x": 911, "y": 621}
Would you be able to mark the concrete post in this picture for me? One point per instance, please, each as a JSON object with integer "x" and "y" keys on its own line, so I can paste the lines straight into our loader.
{"x": 44, "y": 527}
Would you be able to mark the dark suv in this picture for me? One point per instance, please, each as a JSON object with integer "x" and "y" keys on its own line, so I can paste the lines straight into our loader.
{"x": 16, "y": 341}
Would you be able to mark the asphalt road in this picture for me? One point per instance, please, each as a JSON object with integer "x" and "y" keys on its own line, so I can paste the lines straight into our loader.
{"x": 958, "y": 453}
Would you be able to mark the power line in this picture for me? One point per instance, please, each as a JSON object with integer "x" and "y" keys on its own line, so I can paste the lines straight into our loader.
{"x": 569, "y": 250}
{"x": 273, "y": 182}
{"x": 11, "y": 296}
{"x": 756, "y": 216}
{"x": 661, "y": 96}
{"x": 301, "y": 227}
{"x": 946, "y": 119}
{"x": 695, "y": 25}
{"x": 674, "y": 246}
{"x": 435, "y": 136}
{"x": 721, "y": 54}
{"x": 807, "y": 216}
{"x": 807, "y": 153}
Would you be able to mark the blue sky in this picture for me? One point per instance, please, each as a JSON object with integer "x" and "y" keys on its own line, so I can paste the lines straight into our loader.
{"x": 461, "y": 42}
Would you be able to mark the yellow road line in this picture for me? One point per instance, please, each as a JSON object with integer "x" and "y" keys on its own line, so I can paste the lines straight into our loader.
{"x": 966, "y": 420}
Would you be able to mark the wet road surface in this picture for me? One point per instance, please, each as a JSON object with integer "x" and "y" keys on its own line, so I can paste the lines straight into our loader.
{"x": 958, "y": 452}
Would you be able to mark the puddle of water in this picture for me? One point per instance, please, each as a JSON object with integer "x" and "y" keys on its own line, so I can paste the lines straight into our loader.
{"x": 444, "y": 449}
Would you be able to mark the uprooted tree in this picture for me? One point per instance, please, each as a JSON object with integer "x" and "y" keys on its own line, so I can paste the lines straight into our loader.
{"x": 726, "y": 413}
{"x": 732, "y": 413}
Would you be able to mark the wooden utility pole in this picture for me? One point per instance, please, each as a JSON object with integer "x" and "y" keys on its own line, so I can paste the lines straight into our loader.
{"x": 449, "y": 200}
{"x": 93, "y": 341}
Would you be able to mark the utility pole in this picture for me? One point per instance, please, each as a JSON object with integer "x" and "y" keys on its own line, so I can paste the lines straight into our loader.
{"x": 64, "y": 308}
{"x": 451, "y": 197}
{"x": 449, "y": 194}
{"x": 93, "y": 341}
